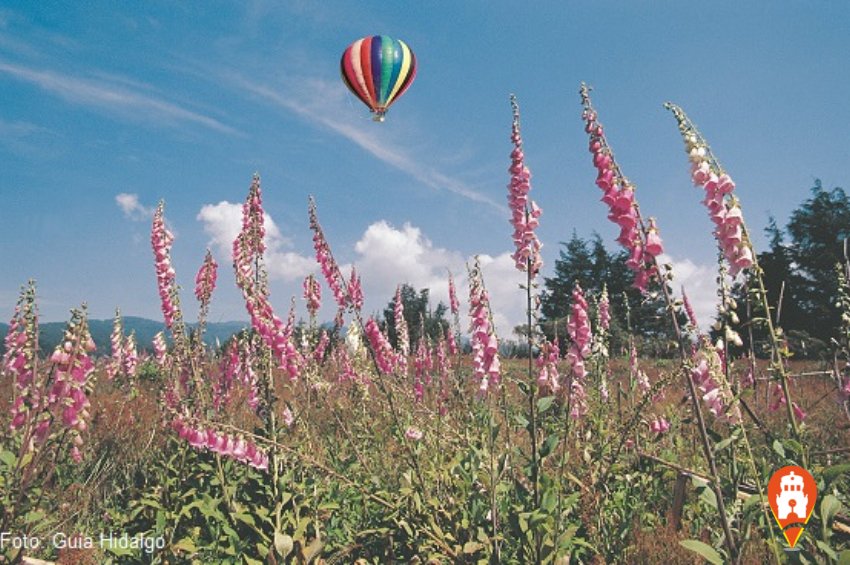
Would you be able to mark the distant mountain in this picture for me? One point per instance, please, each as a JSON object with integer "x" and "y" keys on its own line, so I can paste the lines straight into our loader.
{"x": 50, "y": 333}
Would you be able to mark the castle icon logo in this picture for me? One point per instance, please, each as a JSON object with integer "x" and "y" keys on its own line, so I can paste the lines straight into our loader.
{"x": 792, "y": 493}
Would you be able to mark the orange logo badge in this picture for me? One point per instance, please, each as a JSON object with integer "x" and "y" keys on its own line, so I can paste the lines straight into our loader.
{"x": 792, "y": 493}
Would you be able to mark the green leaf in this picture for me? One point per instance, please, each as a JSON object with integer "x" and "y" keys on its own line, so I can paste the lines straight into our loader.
{"x": 721, "y": 445}
{"x": 549, "y": 500}
{"x": 544, "y": 404}
{"x": 844, "y": 557}
{"x": 472, "y": 547}
{"x": 33, "y": 516}
{"x": 829, "y": 507}
{"x": 245, "y": 518}
{"x": 706, "y": 551}
{"x": 826, "y": 549}
{"x": 779, "y": 448}
{"x": 187, "y": 545}
{"x": 793, "y": 446}
{"x": 831, "y": 473}
{"x": 8, "y": 459}
{"x": 549, "y": 445}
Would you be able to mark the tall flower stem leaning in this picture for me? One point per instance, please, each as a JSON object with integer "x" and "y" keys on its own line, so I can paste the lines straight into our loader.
{"x": 644, "y": 244}
{"x": 348, "y": 297}
{"x": 733, "y": 237}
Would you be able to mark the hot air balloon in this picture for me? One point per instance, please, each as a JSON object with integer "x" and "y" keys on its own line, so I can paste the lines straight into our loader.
{"x": 378, "y": 70}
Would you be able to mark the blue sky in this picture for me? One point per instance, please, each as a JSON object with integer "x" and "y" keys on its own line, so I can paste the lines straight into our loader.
{"x": 109, "y": 107}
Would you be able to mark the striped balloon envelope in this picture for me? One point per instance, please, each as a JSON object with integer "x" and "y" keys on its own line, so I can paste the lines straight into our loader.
{"x": 378, "y": 70}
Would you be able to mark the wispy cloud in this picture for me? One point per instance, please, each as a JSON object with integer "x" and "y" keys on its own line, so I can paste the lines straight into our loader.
{"x": 112, "y": 96}
{"x": 132, "y": 208}
{"x": 323, "y": 110}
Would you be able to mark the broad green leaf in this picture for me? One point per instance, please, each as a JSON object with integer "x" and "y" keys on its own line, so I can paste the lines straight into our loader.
{"x": 831, "y": 473}
{"x": 187, "y": 545}
{"x": 8, "y": 459}
{"x": 33, "y": 516}
{"x": 545, "y": 403}
{"x": 245, "y": 518}
{"x": 829, "y": 507}
{"x": 721, "y": 445}
{"x": 549, "y": 445}
{"x": 701, "y": 548}
{"x": 826, "y": 549}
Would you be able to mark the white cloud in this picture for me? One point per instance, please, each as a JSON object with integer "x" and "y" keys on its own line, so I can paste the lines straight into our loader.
{"x": 132, "y": 208}
{"x": 325, "y": 107}
{"x": 223, "y": 221}
{"x": 389, "y": 256}
{"x": 700, "y": 284}
{"x": 112, "y": 95}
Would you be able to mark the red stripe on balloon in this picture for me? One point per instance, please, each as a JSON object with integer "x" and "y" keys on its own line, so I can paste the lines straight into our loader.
{"x": 366, "y": 65}
{"x": 350, "y": 73}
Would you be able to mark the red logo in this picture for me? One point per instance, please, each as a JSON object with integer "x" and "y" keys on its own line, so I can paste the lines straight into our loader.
{"x": 792, "y": 493}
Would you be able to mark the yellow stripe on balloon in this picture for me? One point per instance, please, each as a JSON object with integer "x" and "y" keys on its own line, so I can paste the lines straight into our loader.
{"x": 406, "y": 58}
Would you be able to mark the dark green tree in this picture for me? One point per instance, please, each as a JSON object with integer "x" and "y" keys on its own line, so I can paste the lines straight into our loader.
{"x": 818, "y": 229}
{"x": 417, "y": 309}
{"x": 799, "y": 275}
{"x": 593, "y": 266}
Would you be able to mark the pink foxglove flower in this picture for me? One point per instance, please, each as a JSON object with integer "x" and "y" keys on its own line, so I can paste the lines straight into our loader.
{"x": 130, "y": 361}
{"x": 401, "y": 331}
{"x": 454, "y": 304}
{"x": 20, "y": 359}
{"x": 707, "y": 375}
{"x": 486, "y": 367}
{"x": 355, "y": 290}
{"x": 423, "y": 364}
{"x": 321, "y": 347}
{"x": 326, "y": 261}
{"x": 288, "y": 417}
{"x": 604, "y": 309}
{"x": 72, "y": 370}
{"x": 160, "y": 349}
{"x": 250, "y": 277}
{"x": 653, "y": 241}
{"x": 659, "y": 425}
{"x": 525, "y": 213}
{"x": 312, "y": 295}
{"x": 116, "y": 341}
{"x": 722, "y": 207}
{"x": 689, "y": 310}
{"x": 578, "y": 330}
{"x": 548, "y": 379}
{"x": 205, "y": 279}
{"x": 444, "y": 372}
{"x": 643, "y": 243}
{"x": 384, "y": 356}
{"x": 161, "y": 241}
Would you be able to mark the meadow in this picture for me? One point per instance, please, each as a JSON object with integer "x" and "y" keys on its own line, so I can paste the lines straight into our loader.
{"x": 343, "y": 442}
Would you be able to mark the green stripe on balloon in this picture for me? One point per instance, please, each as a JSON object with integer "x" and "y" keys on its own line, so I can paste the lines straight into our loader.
{"x": 386, "y": 67}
